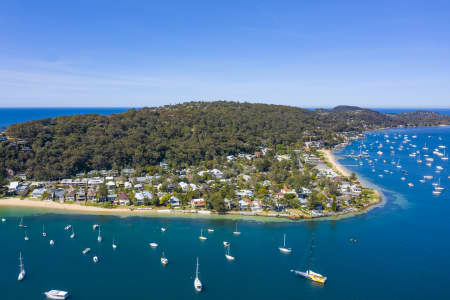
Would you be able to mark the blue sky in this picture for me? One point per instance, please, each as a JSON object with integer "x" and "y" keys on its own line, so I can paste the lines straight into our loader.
{"x": 151, "y": 53}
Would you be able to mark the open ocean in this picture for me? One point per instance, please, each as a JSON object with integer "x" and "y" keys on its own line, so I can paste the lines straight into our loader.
{"x": 402, "y": 249}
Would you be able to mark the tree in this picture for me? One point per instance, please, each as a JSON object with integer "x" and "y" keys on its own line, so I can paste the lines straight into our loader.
{"x": 164, "y": 199}
{"x": 102, "y": 192}
{"x": 217, "y": 202}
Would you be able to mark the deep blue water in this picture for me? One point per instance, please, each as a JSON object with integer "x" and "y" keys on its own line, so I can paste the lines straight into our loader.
{"x": 10, "y": 116}
{"x": 402, "y": 251}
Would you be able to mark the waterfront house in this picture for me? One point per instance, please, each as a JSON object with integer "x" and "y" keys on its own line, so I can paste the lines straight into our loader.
{"x": 244, "y": 203}
{"x": 174, "y": 201}
{"x": 58, "y": 195}
{"x": 197, "y": 203}
{"x": 70, "y": 195}
{"x": 256, "y": 206}
{"x": 140, "y": 197}
{"x": 12, "y": 188}
{"x": 81, "y": 195}
{"x": 111, "y": 197}
{"x": 38, "y": 193}
{"x": 123, "y": 199}
{"x": 91, "y": 195}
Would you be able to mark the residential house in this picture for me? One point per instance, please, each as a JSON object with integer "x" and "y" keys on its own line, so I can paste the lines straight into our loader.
{"x": 81, "y": 195}
{"x": 12, "y": 188}
{"x": 38, "y": 193}
{"x": 197, "y": 203}
{"x": 123, "y": 199}
{"x": 111, "y": 197}
{"x": 70, "y": 195}
{"x": 91, "y": 195}
{"x": 174, "y": 201}
{"x": 58, "y": 195}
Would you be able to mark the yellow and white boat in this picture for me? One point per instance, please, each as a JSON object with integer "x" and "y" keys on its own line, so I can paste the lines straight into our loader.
{"x": 313, "y": 276}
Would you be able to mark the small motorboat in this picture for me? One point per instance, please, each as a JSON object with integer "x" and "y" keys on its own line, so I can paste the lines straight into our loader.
{"x": 57, "y": 294}
{"x": 95, "y": 259}
{"x": 153, "y": 244}
{"x": 86, "y": 250}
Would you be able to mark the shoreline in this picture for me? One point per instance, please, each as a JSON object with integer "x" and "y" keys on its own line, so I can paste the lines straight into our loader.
{"x": 343, "y": 171}
{"x": 329, "y": 158}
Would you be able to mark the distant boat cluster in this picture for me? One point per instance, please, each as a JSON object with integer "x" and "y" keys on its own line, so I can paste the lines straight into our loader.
{"x": 385, "y": 159}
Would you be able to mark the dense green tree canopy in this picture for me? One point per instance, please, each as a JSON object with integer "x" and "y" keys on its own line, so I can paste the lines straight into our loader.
{"x": 180, "y": 135}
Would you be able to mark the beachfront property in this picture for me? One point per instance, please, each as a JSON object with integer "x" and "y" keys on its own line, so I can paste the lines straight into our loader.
{"x": 244, "y": 183}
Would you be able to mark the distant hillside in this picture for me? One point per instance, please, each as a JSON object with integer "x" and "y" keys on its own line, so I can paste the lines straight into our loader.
{"x": 181, "y": 135}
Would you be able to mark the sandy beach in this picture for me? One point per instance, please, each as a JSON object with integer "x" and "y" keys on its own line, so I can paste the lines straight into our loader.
{"x": 329, "y": 156}
{"x": 17, "y": 202}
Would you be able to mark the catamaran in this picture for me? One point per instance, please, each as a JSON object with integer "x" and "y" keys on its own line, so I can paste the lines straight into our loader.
{"x": 309, "y": 274}
{"x": 201, "y": 237}
{"x": 99, "y": 238}
{"x": 236, "y": 232}
{"x": 57, "y": 294}
{"x": 284, "y": 249}
{"x": 197, "y": 283}
{"x": 44, "y": 234}
{"x": 164, "y": 260}
{"x": 22, "y": 270}
{"x": 228, "y": 255}
{"x": 73, "y": 234}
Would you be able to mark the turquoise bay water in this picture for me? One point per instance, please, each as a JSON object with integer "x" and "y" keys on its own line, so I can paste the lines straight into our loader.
{"x": 402, "y": 250}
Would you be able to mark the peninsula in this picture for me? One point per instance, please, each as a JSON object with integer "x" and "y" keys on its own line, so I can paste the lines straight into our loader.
{"x": 194, "y": 158}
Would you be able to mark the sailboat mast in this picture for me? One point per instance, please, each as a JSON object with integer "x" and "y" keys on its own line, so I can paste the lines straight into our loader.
{"x": 21, "y": 263}
{"x": 196, "y": 270}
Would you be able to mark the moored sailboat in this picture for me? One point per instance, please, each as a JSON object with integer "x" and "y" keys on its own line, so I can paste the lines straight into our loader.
{"x": 99, "y": 237}
{"x": 202, "y": 237}
{"x": 197, "y": 283}
{"x": 309, "y": 274}
{"x": 236, "y": 232}
{"x": 284, "y": 249}
{"x": 22, "y": 269}
{"x": 228, "y": 255}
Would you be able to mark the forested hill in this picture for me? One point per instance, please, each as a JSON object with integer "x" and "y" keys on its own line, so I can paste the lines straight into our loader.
{"x": 179, "y": 134}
